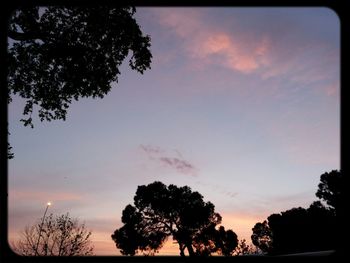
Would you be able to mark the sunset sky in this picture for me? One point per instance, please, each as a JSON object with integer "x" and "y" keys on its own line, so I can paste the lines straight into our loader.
{"x": 241, "y": 104}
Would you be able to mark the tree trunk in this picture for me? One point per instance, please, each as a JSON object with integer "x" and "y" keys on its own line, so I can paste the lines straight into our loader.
{"x": 190, "y": 249}
{"x": 182, "y": 254}
{"x": 182, "y": 250}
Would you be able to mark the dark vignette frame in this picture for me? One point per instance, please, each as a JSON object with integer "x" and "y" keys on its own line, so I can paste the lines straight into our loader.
{"x": 338, "y": 6}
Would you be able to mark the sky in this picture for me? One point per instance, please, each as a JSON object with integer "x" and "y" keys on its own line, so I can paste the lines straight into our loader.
{"x": 241, "y": 104}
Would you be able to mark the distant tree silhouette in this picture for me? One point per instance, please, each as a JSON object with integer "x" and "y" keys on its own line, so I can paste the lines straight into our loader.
{"x": 59, "y": 236}
{"x": 226, "y": 241}
{"x": 297, "y": 230}
{"x": 211, "y": 240}
{"x": 245, "y": 249}
{"x": 59, "y": 54}
{"x": 305, "y": 230}
{"x": 161, "y": 211}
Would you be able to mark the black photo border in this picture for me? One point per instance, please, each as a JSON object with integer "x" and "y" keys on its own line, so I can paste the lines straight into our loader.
{"x": 340, "y": 7}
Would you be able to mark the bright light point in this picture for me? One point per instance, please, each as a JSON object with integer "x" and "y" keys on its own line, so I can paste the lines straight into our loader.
{"x": 48, "y": 203}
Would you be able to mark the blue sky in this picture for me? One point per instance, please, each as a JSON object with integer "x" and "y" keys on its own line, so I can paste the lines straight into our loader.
{"x": 241, "y": 104}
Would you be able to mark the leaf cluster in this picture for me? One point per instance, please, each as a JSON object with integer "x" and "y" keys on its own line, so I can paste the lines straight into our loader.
{"x": 59, "y": 54}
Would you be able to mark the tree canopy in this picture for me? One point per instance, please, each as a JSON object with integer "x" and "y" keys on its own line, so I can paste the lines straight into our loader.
{"x": 303, "y": 230}
{"x": 296, "y": 230}
{"x": 161, "y": 211}
{"x": 63, "y": 53}
{"x": 55, "y": 236}
{"x": 59, "y": 54}
{"x": 331, "y": 189}
{"x": 262, "y": 236}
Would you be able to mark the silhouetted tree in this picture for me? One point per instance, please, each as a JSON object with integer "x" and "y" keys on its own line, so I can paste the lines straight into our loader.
{"x": 59, "y": 54}
{"x": 137, "y": 235}
{"x": 262, "y": 236}
{"x": 311, "y": 229}
{"x": 226, "y": 241}
{"x": 211, "y": 240}
{"x": 59, "y": 236}
{"x": 330, "y": 189}
{"x": 297, "y": 230}
{"x": 161, "y": 211}
{"x": 205, "y": 241}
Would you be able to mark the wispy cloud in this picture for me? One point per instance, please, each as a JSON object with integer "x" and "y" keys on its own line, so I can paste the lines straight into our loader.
{"x": 212, "y": 45}
{"x": 297, "y": 59}
{"x": 220, "y": 48}
{"x": 170, "y": 159}
{"x": 182, "y": 166}
{"x": 151, "y": 150}
{"x": 219, "y": 189}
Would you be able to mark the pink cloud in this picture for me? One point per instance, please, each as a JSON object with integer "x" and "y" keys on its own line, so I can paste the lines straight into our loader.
{"x": 210, "y": 45}
{"x": 216, "y": 44}
{"x": 332, "y": 89}
{"x": 266, "y": 54}
{"x": 184, "y": 22}
{"x": 233, "y": 53}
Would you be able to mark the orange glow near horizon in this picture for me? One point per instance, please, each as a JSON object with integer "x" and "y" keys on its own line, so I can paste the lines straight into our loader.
{"x": 241, "y": 224}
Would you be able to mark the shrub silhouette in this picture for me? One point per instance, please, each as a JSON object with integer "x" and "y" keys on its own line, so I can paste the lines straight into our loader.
{"x": 55, "y": 236}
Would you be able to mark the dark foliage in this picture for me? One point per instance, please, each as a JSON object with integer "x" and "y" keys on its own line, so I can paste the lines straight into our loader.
{"x": 161, "y": 211}
{"x": 245, "y": 249}
{"x": 60, "y": 54}
{"x": 262, "y": 236}
{"x": 297, "y": 230}
{"x": 331, "y": 189}
{"x": 305, "y": 230}
{"x": 211, "y": 240}
{"x": 226, "y": 241}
